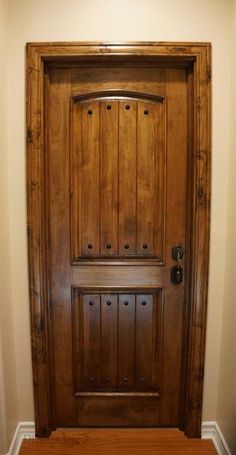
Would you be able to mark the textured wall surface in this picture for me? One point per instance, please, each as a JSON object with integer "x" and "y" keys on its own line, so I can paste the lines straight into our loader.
{"x": 226, "y": 412}
{"x": 8, "y": 395}
{"x": 68, "y": 20}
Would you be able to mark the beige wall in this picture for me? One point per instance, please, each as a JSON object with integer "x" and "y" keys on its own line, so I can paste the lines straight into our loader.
{"x": 226, "y": 412}
{"x": 58, "y": 20}
{"x": 3, "y": 170}
{"x": 8, "y": 398}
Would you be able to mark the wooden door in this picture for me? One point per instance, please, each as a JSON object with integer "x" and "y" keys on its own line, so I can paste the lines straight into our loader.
{"x": 118, "y": 166}
{"x": 117, "y": 145}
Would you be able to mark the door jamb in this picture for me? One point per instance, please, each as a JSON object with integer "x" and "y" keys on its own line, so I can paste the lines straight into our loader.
{"x": 196, "y": 56}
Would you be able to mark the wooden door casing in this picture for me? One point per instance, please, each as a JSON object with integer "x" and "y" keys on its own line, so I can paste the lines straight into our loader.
{"x": 194, "y": 59}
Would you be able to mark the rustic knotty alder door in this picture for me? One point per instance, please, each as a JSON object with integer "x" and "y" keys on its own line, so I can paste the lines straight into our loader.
{"x": 117, "y": 147}
{"x": 118, "y": 219}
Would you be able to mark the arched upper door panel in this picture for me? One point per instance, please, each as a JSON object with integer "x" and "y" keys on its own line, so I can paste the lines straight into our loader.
{"x": 118, "y": 176}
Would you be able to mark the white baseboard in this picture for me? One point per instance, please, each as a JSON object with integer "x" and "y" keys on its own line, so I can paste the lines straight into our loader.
{"x": 210, "y": 430}
{"x": 24, "y": 430}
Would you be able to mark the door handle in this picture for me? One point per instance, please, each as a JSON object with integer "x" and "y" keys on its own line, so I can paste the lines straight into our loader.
{"x": 176, "y": 275}
{"x": 177, "y": 253}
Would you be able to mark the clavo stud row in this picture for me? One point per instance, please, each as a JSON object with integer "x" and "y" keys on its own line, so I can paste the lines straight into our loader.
{"x": 109, "y": 246}
{"x": 126, "y": 302}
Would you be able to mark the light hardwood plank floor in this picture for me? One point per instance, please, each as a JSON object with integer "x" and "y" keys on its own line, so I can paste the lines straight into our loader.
{"x": 117, "y": 442}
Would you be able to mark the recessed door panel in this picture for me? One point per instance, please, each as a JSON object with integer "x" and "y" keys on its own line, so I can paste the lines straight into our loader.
{"x": 117, "y": 342}
{"x": 117, "y": 153}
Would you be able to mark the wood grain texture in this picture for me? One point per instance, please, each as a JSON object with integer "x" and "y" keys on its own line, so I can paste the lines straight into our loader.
{"x": 114, "y": 442}
{"x": 118, "y": 151}
{"x": 127, "y": 185}
{"x": 149, "y": 118}
{"x": 127, "y": 335}
{"x": 146, "y": 341}
{"x": 109, "y": 340}
{"x": 89, "y": 178}
{"x": 196, "y": 56}
{"x": 109, "y": 178}
{"x": 146, "y": 177}
{"x": 174, "y": 234}
{"x": 58, "y": 250}
{"x": 90, "y": 332}
{"x": 116, "y": 343}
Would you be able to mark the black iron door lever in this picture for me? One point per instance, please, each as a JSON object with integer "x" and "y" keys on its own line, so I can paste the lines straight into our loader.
{"x": 177, "y": 274}
{"x": 177, "y": 253}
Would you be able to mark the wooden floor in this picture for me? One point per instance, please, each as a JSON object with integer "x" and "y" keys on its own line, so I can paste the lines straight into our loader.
{"x": 117, "y": 442}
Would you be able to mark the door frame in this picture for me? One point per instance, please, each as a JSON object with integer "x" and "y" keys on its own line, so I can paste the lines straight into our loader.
{"x": 196, "y": 57}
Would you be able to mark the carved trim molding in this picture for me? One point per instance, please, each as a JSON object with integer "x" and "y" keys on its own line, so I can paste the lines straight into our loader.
{"x": 117, "y": 94}
{"x": 197, "y": 57}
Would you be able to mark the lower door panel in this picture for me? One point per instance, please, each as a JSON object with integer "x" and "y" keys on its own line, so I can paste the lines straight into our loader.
{"x": 116, "y": 356}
